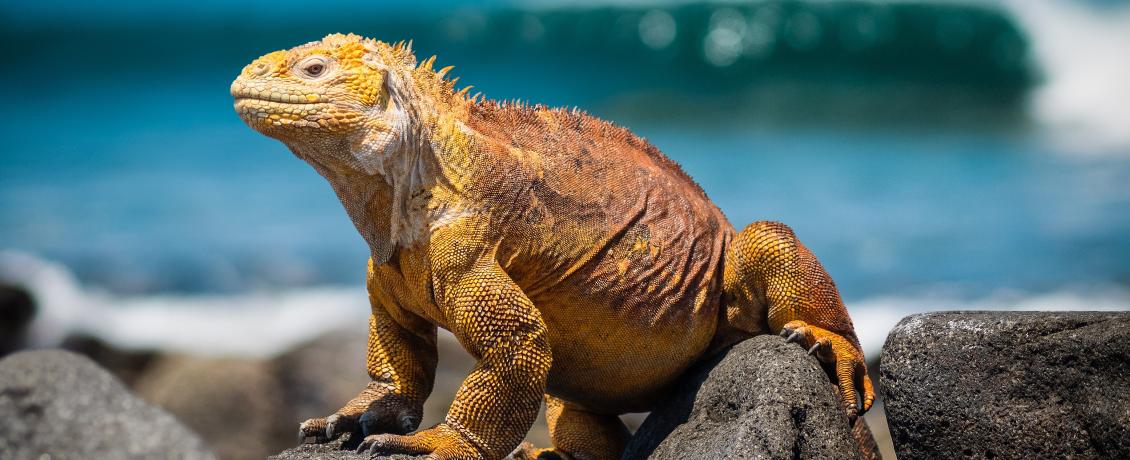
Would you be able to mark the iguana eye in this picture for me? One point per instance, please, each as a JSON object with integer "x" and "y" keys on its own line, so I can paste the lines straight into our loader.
{"x": 313, "y": 67}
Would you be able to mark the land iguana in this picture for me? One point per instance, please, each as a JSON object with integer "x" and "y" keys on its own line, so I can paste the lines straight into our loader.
{"x": 571, "y": 258}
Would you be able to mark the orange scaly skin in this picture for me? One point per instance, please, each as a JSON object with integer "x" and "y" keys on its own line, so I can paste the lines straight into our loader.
{"x": 571, "y": 258}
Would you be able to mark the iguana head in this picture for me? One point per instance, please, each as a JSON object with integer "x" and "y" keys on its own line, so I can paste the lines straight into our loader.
{"x": 326, "y": 94}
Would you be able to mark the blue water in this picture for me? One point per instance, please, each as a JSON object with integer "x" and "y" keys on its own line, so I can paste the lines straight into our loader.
{"x": 139, "y": 178}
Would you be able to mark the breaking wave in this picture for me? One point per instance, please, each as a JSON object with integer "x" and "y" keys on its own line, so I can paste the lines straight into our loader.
{"x": 1004, "y": 62}
{"x": 1081, "y": 49}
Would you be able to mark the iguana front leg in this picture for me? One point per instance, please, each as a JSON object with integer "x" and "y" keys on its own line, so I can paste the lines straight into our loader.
{"x": 498, "y": 402}
{"x": 767, "y": 265}
{"x": 401, "y": 361}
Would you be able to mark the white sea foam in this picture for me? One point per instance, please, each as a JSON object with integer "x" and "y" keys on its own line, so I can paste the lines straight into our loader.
{"x": 1082, "y": 51}
{"x": 262, "y": 324}
{"x": 253, "y": 324}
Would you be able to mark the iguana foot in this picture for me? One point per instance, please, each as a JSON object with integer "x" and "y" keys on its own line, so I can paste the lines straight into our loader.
{"x": 844, "y": 354}
{"x": 375, "y": 410}
{"x": 441, "y": 442}
{"x": 527, "y": 451}
{"x": 313, "y": 431}
{"x": 325, "y": 429}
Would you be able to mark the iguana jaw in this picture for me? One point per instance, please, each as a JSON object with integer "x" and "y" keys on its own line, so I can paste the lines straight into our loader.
{"x": 293, "y": 112}
{"x": 270, "y": 112}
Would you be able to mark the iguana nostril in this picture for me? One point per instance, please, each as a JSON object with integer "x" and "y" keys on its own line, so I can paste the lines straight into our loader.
{"x": 260, "y": 68}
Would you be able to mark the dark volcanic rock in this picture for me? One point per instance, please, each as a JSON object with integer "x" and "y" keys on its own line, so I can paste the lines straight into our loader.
{"x": 330, "y": 451}
{"x": 59, "y": 403}
{"x": 1009, "y": 385}
{"x": 17, "y": 308}
{"x": 336, "y": 450}
{"x": 764, "y": 398}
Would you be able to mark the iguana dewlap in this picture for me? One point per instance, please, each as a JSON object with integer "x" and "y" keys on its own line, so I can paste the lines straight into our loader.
{"x": 571, "y": 258}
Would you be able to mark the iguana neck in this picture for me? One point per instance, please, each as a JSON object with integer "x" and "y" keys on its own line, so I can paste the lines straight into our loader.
{"x": 396, "y": 177}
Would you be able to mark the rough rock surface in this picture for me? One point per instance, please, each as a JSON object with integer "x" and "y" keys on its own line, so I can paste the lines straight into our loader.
{"x": 764, "y": 398}
{"x": 1009, "y": 385}
{"x": 337, "y": 450}
{"x": 62, "y": 404}
{"x": 330, "y": 451}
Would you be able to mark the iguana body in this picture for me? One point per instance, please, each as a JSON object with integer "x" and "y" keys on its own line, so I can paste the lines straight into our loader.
{"x": 568, "y": 256}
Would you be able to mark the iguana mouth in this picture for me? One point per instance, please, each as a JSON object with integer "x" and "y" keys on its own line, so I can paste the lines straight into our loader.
{"x": 278, "y": 99}
{"x": 242, "y": 93}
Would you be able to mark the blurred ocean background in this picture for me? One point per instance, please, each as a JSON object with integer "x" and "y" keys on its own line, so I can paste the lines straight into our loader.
{"x": 933, "y": 154}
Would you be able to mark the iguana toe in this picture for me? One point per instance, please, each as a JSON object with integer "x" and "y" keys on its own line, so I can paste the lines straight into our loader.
{"x": 312, "y": 430}
{"x": 798, "y": 332}
{"x": 439, "y": 443}
{"x": 813, "y": 348}
{"x": 337, "y": 425}
{"x": 325, "y": 429}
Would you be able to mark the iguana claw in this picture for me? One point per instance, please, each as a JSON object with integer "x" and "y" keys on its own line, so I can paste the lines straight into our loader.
{"x": 812, "y": 350}
{"x": 336, "y": 425}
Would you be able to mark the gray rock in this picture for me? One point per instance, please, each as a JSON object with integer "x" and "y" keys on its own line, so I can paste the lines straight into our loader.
{"x": 62, "y": 404}
{"x": 764, "y": 398}
{"x": 1009, "y": 385}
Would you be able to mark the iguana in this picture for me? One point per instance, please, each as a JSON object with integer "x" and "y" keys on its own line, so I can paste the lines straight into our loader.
{"x": 571, "y": 258}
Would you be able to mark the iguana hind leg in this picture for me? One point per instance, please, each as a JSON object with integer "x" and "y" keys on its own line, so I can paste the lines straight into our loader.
{"x": 578, "y": 434}
{"x": 768, "y": 268}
